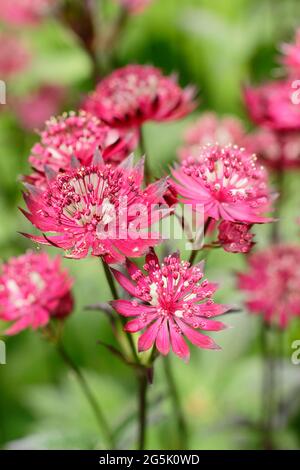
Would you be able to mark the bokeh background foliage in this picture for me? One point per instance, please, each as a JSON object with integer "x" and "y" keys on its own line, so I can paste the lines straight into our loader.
{"x": 217, "y": 45}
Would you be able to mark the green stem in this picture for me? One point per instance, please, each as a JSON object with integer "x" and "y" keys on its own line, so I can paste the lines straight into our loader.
{"x": 103, "y": 424}
{"x": 143, "y": 387}
{"x": 115, "y": 36}
{"x": 144, "y": 153}
{"x": 177, "y": 405}
{"x": 276, "y": 235}
{"x": 110, "y": 280}
{"x": 268, "y": 390}
{"x": 194, "y": 253}
{"x": 114, "y": 293}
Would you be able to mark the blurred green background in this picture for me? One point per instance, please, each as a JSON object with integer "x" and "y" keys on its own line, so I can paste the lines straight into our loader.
{"x": 217, "y": 45}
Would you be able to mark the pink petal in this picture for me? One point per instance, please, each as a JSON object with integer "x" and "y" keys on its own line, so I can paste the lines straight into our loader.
{"x": 124, "y": 282}
{"x": 128, "y": 309}
{"x": 196, "y": 338}
{"x": 179, "y": 346}
{"x": 41, "y": 318}
{"x": 146, "y": 340}
{"x": 131, "y": 268}
{"x": 207, "y": 325}
{"x": 163, "y": 338}
{"x": 20, "y": 325}
{"x": 212, "y": 310}
{"x": 139, "y": 324}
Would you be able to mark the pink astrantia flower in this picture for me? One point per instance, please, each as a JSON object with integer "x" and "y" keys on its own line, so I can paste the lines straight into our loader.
{"x": 134, "y": 6}
{"x": 77, "y": 135}
{"x": 291, "y": 56}
{"x": 99, "y": 209}
{"x": 33, "y": 288}
{"x": 33, "y": 110}
{"x": 171, "y": 300}
{"x": 24, "y": 12}
{"x": 211, "y": 129}
{"x": 235, "y": 237}
{"x": 138, "y": 93}
{"x": 14, "y": 57}
{"x": 226, "y": 183}
{"x": 271, "y": 105}
{"x": 272, "y": 283}
{"x": 277, "y": 150}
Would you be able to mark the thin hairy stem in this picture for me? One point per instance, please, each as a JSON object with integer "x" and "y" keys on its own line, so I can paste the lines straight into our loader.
{"x": 144, "y": 153}
{"x": 177, "y": 405}
{"x": 101, "y": 420}
{"x": 143, "y": 387}
{"x": 268, "y": 389}
{"x": 114, "y": 293}
{"x": 194, "y": 253}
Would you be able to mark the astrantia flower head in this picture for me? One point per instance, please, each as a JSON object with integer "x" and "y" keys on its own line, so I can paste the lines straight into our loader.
{"x": 78, "y": 135}
{"x": 291, "y": 56}
{"x": 14, "y": 57}
{"x": 98, "y": 209}
{"x": 24, "y": 12}
{"x": 209, "y": 129}
{"x": 134, "y": 6}
{"x": 226, "y": 183}
{"x": 235, "y": 237}
{"x": 33, "y": 288}
{"x": 278, "y": 151}
{"x": 171, "y": 300}
{"x": 271, "y": 105}
{"x": 138, "y": 93}
{"x": 272, "y": 283}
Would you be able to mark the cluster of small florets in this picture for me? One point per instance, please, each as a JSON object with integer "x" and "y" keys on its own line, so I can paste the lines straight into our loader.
{"x": 135, "y": 94}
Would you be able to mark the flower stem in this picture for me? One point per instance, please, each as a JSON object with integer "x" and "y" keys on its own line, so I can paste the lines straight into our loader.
{"x": 114, "y": 293}
{"x": 103, "y": 424}
{"x": 114, "y": 37}
{"x": 143, "y": 387}
{"x": 177, "y": 405}
{"x": 142, "y": 373}
{"x": 79, "y": 18}
{"x": 144, "y": 153}
{"x": 276, "y": 235}
{"x": 110, "y": 280}
{"x": 268, "y": 390}
{"x": 194, "y": 253}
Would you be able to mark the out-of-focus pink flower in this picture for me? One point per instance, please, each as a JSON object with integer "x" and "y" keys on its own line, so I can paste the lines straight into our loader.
{"x": 235, "y": 237}
{"x": 138, "y": 93}
{"x": 98, "y": 209}
{"x": 291, "y": 56}
{"x": 171, "y": 300}
{"x": 34, "y": 288}
{"x": 33, "y": 110}
{"x": 226, "y": 183}
{"x": 77, "y": 135}
{"x": 277, "y": 150}
{"x": 271, "y": 105}
{"x": 134, "y": 6}
{"x": 272, "y": 283}
{"x": 24, "y": 12}
{"x": 211, "y": 129}
{"x": 14, "y": 57}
